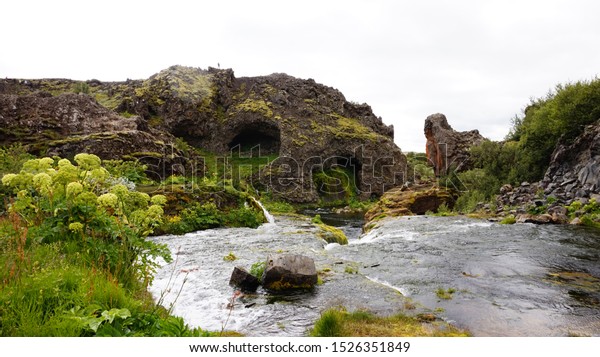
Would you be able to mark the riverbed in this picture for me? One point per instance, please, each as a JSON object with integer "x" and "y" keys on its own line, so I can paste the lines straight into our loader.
{"x": 488, "y": 278}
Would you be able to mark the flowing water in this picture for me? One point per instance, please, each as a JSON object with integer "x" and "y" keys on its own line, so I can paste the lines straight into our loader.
{"x": 508, "y": 280}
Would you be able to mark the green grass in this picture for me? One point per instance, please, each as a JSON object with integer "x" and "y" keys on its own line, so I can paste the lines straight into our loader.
{"x": 508, "y": 220}
{"x": 447, "y": 294}
{"x": 230, "y": 257}
{"x": 340, "y": 323}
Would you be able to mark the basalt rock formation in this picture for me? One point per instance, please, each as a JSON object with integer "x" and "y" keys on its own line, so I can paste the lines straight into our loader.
{"x": 446, "y": 148}
{"x": 574, "y": 171}
{"x": 573, "y": 175}
{"x": 310, "y": 128}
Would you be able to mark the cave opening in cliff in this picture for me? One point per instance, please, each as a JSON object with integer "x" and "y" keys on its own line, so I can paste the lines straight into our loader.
{"x": 263, "y": 137}
{"x": 338, "y": 180}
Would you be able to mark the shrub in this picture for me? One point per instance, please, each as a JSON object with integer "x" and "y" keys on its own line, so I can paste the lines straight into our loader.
{"x": 133, "y": 171}
{"x": 81, "y": 88}
{"x": 278, "y": 206}
{"x": 243, "y": 217}
{"x": 61, "y": 201}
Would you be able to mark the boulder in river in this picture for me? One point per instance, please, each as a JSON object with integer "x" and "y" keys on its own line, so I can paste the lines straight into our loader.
{"x": 244, "y": 280}
{"x": 289, "y": 272}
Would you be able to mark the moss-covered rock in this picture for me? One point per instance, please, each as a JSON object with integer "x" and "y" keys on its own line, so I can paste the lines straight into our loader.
{"x": 331, "y": 234}
{"x": 289, "y": 272}
{"x": 311, "y": 127}
{"x": 404, "y": 201}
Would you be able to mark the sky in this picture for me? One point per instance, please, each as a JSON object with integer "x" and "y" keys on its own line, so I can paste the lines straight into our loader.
{"x": 478, "y": 62}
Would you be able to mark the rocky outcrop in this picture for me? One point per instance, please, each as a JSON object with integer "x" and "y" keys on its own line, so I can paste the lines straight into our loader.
{"x": 69, "y": 123}
{"x": 446, "y": 148}
{"x": 242, "y": 279}
{"x": 574, "y": 171}
{"x": 310, "y": 128}
{"x": 403, "y": 201}
{"x": 573, "y": 175}
{"x": 289, "y": 272}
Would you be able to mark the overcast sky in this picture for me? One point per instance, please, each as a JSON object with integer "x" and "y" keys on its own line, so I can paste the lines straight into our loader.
{"x": 478, "y": 62}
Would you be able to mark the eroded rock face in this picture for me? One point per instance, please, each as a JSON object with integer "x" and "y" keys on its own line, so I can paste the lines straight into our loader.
{"x": 308, "y": 126}
{"x": 446, "y": 148}
{"x": 40, "y": 116}
{"x": 69, "y": 123}
{"x": 574, "y": 171}
{"x": 289, "y": 272}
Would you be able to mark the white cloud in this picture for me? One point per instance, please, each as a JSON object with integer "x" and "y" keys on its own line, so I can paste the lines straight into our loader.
{"x": 478, "y": 62}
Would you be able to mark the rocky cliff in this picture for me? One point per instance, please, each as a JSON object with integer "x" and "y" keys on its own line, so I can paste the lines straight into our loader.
{"x": 446, "y": 148}
{"x": 309, "y": 127}
{"x": 574, "y": 171}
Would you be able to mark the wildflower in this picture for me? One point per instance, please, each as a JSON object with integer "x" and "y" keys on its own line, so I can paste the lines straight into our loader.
{"x": 108, "y": 200}
{"x": 158, "y": 200}
{"x": 42, "y": 182}
{"x": 120, "y": 190}
{"x": 76, "y": 227}
{"x": 74, "y": 188}
{"x": 88, "y": 161}
{"x": 7, "y": 179}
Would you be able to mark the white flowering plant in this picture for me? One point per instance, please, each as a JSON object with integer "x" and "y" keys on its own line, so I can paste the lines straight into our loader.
{"x": 79, "y": 202}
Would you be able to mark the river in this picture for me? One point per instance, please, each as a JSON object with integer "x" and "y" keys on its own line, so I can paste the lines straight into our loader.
{"x": 507, "y": 280}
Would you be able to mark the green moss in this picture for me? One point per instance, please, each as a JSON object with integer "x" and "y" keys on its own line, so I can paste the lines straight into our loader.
{"x": 331, "y": 234}
{"x": 155, "y": 121}
{"x": 348, "y": 128}
{"x": 380, "y": 217}
{"x": 336, "y": 186}
{"x": 282, "y": 285}
{"x": 256, "y": 106}
{"x": 146, "y": 154}
{"x": 369, "y": 226}
{"x": 78, "y": 139}
{"x": 108, "y": 102}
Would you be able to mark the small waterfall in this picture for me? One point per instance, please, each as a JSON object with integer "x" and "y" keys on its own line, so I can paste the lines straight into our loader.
{"x": 268, "y": 216}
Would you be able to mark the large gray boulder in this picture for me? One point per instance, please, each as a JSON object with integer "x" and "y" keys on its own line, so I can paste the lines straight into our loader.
{"x": 289, "y": 272}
